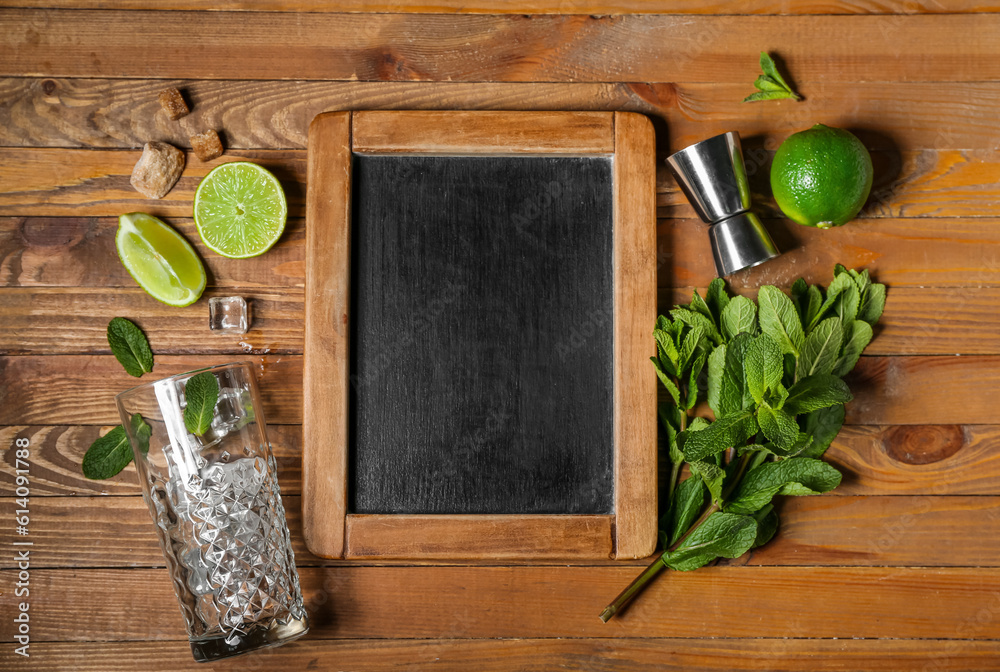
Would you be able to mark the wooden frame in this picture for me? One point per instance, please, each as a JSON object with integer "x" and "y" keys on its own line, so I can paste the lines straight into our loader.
{"x": 330, "y": 529}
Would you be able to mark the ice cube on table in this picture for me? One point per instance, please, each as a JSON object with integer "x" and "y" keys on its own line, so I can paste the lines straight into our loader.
{"x": 228, "y": 315}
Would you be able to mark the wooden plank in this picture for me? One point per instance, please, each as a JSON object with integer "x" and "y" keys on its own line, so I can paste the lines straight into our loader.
{"x": 928, "y": 321}
{"x": 482, "y": 132}
{"x": 229, "y": 45}
{"x": 918, "y": 459}
{"x": 112, "y": 532}
{"x": 325, "y": 385}
{"x": 763, "y": 7}
{"x": 531, "y": 601}
{"x": 634, "y": 287}
{"x": 532, "y": 655}
{"x": 114, "y": 113}
{"x": 834, "y": 530}
{"x": 902, "y": 460}
{"x": 37, "y": 182}
{"x": 923, "y": 390}
{"x": 895, "y": 251}
{"x": 70, "y": 251}
{"x": 57, "y": 451}
{"x": 80, "y": 389}
{"x": 75, "y": 252}
{"x": 35, "y": 321}
{"x": 922, "y": 183}
{"x": 79, "y": 182}
{"x": 479, "y": 537}
{"x": 916, "y": 321}
{"x": 884, "y": 531}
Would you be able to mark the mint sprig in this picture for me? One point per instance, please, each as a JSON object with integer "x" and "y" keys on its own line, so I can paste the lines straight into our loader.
{"x": 130, "y": 347}
{"x": 774, "y": 384}
{"x": 202, "y": 393}
{"x": 771, "y": 85}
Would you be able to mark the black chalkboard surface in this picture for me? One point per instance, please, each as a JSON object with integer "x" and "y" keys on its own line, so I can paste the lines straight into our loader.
{"x": 480, "y": 292}
{"x": 482, "y": 303}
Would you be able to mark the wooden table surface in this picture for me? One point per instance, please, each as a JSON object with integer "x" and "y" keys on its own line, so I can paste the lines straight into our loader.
{"x": 897, "y": 569}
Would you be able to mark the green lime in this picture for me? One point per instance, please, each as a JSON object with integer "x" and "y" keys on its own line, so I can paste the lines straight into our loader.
{"x": 159, "y": 259}
{"x": 240, "y": 210}
{"x": 821, "y": 176}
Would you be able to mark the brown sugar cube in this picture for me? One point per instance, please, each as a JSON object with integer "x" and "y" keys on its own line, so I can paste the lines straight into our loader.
{"x": 173, "y": 103}
{"x": 157, "y": 170}
{"x": 207, "y": 145}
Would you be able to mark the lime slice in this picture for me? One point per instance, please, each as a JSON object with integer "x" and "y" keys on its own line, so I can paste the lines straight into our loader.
{"x": 240, "y": 210}
{"x": 160, "y": 259}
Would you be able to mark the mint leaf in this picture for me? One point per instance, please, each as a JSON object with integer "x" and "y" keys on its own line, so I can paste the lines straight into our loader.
{"x": 847, "y": 304}
{"x": 717, "y": 299}
{"x": 842, "y": 282}
{"x": 688, "y": 501}
{"x": 873, "y": 304}
{"x": 722, "y": 535}
{"x": 769, "y": 95}
{"x": 778, "y": 426}
{"x": 108, "y": 455}
{"x": 816, "y": 392}
{"x": 823, "y": 426}
{"x": 698, "y": 305}
{"x": 769, "y": 68}
{"x": 762, "y": 367}
{"x": 862, "y": 280}
{"x": 779, "y": 320}
{"x": 130, "y": 347}
{"x": 860, "y": 337}
{"x": 667, "y": 351}
{"x": 201, "y": 393}
{"x": 733, "y": 395}
{"x": 765, "y": 83}
{"x": 694, "y": 319}
{"x": 142, "y": 432}
{"x": 767, "y": 525}
{"x": 820, "y": 349}
{"x": 696, "y": 368}
{"x": 728, "y": 432}
{"x": 660, "y": 373}
{"x": 712, "y": 475}
{"x": 794, "y": 476}
{"x": 800, "y": 298}
{"x": 665, "y": 413}
{"x": 797, "y": 448}
{"x": 716, "y": 366}
{"x": 739, "y": 316}
{"x": 689, "y": 347}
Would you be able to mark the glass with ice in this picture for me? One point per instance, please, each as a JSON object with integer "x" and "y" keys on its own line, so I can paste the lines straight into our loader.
{"x": 215, "y": 501}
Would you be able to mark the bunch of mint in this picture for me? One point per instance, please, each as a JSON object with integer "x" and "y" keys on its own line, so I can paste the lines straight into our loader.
{"x": 774, "y": 371}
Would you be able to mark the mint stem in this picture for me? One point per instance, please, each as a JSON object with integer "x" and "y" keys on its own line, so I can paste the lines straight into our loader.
{"x": 657, "y": 566}
{"x": 634, "y": 588}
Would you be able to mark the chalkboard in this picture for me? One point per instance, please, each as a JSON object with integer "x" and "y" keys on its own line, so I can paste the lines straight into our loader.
{"x": 480, "y": 296}
{"x": 482, "y": 328}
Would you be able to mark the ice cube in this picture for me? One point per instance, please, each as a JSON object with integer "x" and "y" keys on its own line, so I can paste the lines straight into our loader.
{"x": 228, "y": 315}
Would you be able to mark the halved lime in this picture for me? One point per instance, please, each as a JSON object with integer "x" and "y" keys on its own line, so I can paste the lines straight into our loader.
{"x": 240, "y": 210}
{"x": 159, "y": 259}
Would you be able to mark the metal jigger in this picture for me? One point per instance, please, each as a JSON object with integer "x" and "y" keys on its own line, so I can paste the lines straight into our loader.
{"x": 713, "y": 177}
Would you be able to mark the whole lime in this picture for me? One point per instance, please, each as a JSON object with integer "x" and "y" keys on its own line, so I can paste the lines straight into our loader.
{"x": 821, "y": 176}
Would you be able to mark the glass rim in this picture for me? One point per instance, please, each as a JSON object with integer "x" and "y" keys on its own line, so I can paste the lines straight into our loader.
{"x": 142, "y": 387}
